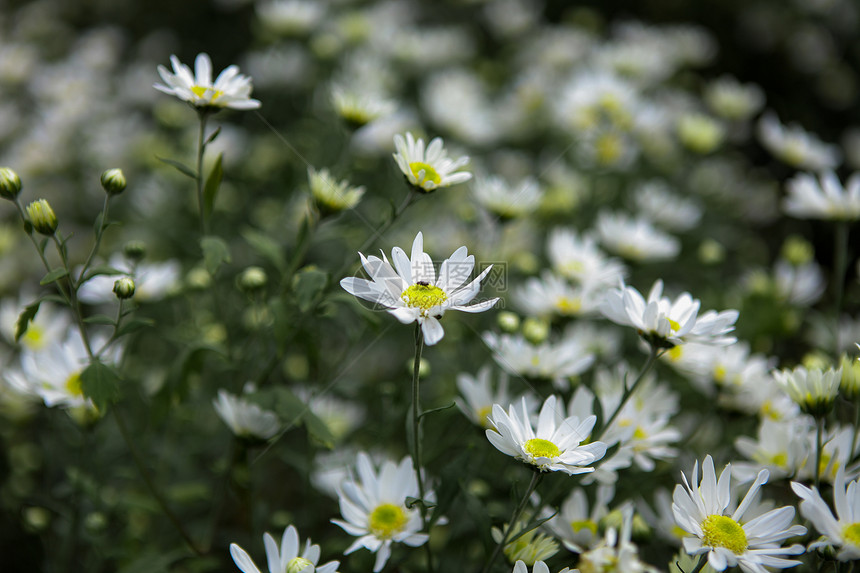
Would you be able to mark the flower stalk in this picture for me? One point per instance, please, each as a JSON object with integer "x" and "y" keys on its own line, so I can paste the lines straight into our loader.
{"x": 536, "y": 478}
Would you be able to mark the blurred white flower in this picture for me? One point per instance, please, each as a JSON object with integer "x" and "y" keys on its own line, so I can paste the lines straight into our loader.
{"x": 552, "y": 295}
{"x": 290, "y": 17}
{"x": 701, "y": 510}
{"x": 780, "y": 447}
{"x": 289, "y": 558}
{"x": 552, "y": 444}
{"x": 373, "y": 505}
{"x": 813, "y": 390}
{"x": 539, "y": 567}
{"x": 245, "y": 419}
{"x": 331, "y": 195}
{"x": 824, "y": 198}
{"x": 478, "y": 395}
{"x": 413, "y": 293}
{"x": 49, "y": 326}
{"x": 732, "y": 100}
{"x": 430, "y": 169}
{"x": 843, "y": 530}
{"x": 578, "y": 258}
{"x": 635, "y": 239}
{"x": 231, "y": 89}
{"x": 507, "y": 201}
{"x": 668, "y": 322}
{"x": 574, "y": 524}
{"x": 658, "y": 203}
{"x": 360, "y": 107}
{"x": 153, "y": 281}
{"x": 795, "y": 146}
{"x": 551, "y": 361}
{"x": 616, "y": 552}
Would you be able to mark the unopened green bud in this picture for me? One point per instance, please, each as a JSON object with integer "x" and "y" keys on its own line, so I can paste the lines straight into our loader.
{"x": 252, "y": 279}
{"x": 113, "y": 181}
{"x": 508, "y": 321}
{"x": 536, "y": 330}
{"x": 711, "y": 252}
{"x": 797, "y": 250}
{"x": 850, "y": 383}
{"x": 198, "y": 278}
{"x": 123, "y": 288}
{"x": 10, "y": 184}
{"x": 134, "y": 250}
{"x": 700, "y": 133}
{"x": 36, "y": 518}
{"x": 42, "y": 217}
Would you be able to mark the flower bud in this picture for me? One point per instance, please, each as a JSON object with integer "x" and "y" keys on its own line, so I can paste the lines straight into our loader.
{"x": 123, "y": 288}
{"x": 797, "y": 250}
{"x": 252, "y": 279}
{"x": 42, "y": 217}
{"x": 134, "y": 250}
{"x": 850, "y": 383}
{"x": 535, "y": 330}
{"x": 10, "y": 184}
{"x": 113, "y": 181}
{"x": 508, "y": 321}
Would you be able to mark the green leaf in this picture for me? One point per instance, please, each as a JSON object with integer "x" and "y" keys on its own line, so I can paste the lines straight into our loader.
{"x": 100, "y": 384}
{"x": 101, "y": 270}
{"x": 266, "y": 247}
{"x": 212, "y": 137}
{"x": 181, "y": 167}
{"x": 25, "y": 318}
{"x": 54, "y": 275}
{"x": 100, "y": 319}
{"x": 434, "y": 410}
{"x": 215, "y": 253}
{"x": 213, "y": 183}
{"x": 293, "y": 411}
{"x": 318, "y": 429}
{"x": 134, "y": 325}
{"x": 307, "y": 284}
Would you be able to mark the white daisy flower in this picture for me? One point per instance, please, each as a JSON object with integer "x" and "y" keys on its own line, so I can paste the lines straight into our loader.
{"x": 813, "y": 390}
{"x": 286, "y": 559}
{"x": 702, "y": 509}
{"x": 578, "y": 258}
{"x": 547, "y": 360}
{"x": 290, "y": 17}
{"x": 842, "y": 531}
{"x": 507, "y": 201}
{"x": 574, "y": 524}
{"x": 49, "y": 325}
{"x": 554, "y": 445}
{"x": 552, "y": 295}
{"x": 479, "y": 396}
{"x": 358, "y": 107}
{"x": 529, "y": 547}
{"x": 616, "y": 552}
{"x": 245, "y": 418}
{"x": 824, "y": 198}
{"x": 374, "y": 508}
{"x": 412, "y": 292}
{"x": 668, "y": 209}
{"x": 331, "y": 195}
{"x": 780, "y": 448}
{"x": 795, "y": 146}
{"x": 539, "y": 567}
{"x": 635, "y": 238}
{"x": 427, "y": 170}
{"x": 729, "y": 98}
{"x": 838, "y": 450}
{"x": 231, "y": 89}
{"x": 666, "y": 322}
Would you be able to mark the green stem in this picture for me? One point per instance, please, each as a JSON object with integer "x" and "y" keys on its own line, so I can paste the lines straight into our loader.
{"x": 40, "y": 251}
{"x": 73, "y": 297}
{"x": 839, "y": 267}
{"x": 144, "y": 473}
{"x": 201, "y": 148}
{"x": 536, "y": 477}
{"x": 819, "y": 430}
{"x": 856, "y": 425}
{"x": 628, "y": 392}
{"x": 416, "y": 435}
{"x": 96, "y": 244}
{"x": 703, "y": 560}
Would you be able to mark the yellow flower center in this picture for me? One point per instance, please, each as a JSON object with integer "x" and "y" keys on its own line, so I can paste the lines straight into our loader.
{"x": 723, "y": 531}
{"x": 34, "y": 337}
{"x": 429, "y": 173}
{"x": 423, "y": 296}
{"x": 386, "y": 520}
{"x": 679, "y": 532}
{"x": 673, "y": 324}
{"x": 639, "y": 433}
{"x": 675, "y": 353}
{"x": 851, "y": 533}
{"x": 568, "y": 306}
{"x": 540, "y": 448}
{"x": 720, "y": 373}
{"x": 572, "y": 268}
{"x": 73, "y": 385}
{"x": 609, "y": 148}
{"x": 205, "y": 92}
{"x": 482, "y": 413}
{"x": 298, "y": 564}
{"x": 579, "y": 525}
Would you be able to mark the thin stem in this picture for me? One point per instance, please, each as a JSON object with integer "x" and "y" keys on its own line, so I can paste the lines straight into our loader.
{"x": 40, "y": 251}
{"x": 95, "y": 249}
{"x": 536, "y": 477}
{"x": 652, "y": 357}
{"x": 839, "y": 267}
{"x": 144, "y": 473}
{"x": 819, "y": 430}
{"x": 201, "y": 148}
{"x": 73, "y": 298}
{"x": 856, "y": 425}
{"x": 416, "y": 439}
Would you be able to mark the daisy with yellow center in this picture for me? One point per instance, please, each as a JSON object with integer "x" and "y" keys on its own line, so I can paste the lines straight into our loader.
{"x": 289, "y": 558}
{"x": 841, "y": 531}
{"x": 478, "y": 395}
{"x": 411, "y": 291}
{"x": 703, "y": 509}
{"x": 554, "y": 444}
{"x": 431, "y": 168}
{"x": 373, "y": 505}
{"x": 230, "y": 89}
